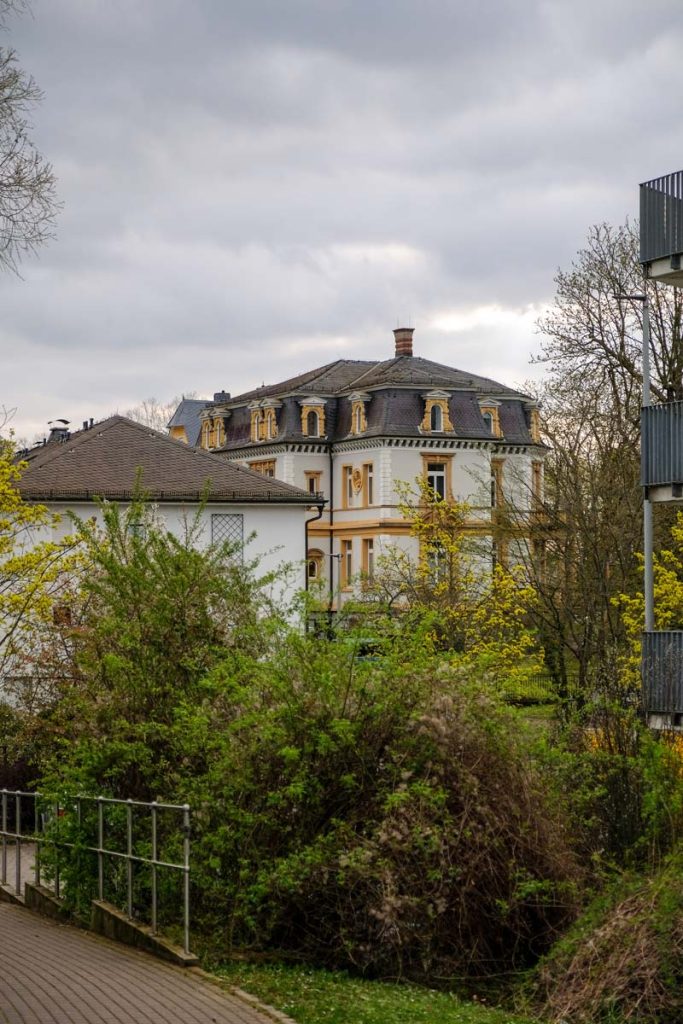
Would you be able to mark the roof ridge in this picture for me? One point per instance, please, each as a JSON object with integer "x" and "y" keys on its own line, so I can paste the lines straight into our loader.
{"x": 50, "y": 450}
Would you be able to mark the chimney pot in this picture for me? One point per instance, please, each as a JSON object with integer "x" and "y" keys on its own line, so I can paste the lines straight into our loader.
{"x": 404, "y": 341}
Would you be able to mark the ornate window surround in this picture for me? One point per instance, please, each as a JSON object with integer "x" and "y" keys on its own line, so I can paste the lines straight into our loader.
{"x": 433, "y": 458}
{"x": 309, "y": 405}
{"x": 359, "y": 420}
{"x": 491, "y": 407}
{"x": 440, "y": 399}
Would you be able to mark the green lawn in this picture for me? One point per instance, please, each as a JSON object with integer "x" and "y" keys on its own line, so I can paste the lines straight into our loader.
{"x": 324, "y": 997}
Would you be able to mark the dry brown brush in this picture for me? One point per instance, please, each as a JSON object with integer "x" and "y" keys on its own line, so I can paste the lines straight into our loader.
{"x": 623, "y": 963}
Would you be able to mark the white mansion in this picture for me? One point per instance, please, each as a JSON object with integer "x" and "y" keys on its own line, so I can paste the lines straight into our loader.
{"x": 352, "y": 429}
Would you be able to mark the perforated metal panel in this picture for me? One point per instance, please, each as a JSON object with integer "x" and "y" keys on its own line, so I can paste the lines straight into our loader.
{"x": 227, "y": 528}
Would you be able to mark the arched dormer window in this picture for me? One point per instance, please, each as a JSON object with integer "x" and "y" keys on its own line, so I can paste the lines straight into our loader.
{"x": 312, "y": 416}
{"x": 436, "y": 415}
{"x": 359, "y": 421}
{"x": 490, "y": 414}
{"x": 270, "y": 424}
{"x": 313, "y": 423}
{"x": 436, "y": 418}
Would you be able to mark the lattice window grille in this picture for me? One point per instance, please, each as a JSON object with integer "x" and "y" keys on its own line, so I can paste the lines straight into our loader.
{"x": 227, "y": 528}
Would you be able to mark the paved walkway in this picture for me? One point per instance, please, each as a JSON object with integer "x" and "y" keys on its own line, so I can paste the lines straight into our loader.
{"x": 57, "y": 974}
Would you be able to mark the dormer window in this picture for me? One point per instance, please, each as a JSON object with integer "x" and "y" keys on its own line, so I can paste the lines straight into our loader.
{"x": 258, "y": 423}
{"x": 534, "y": 421}
{"x": 436, "y": 418}
{"x": 270, "y": 421}
{"x": 359, "y": 422}
{"x": 489, "y": 409}
{"x": 313, "y": 417}
{"x": 313, "y": 423}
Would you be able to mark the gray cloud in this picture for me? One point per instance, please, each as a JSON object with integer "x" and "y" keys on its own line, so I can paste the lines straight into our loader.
{"x": 252, "y": 188}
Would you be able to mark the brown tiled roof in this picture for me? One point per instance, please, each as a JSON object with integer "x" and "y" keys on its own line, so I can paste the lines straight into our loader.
{"x": 104, "y": 461}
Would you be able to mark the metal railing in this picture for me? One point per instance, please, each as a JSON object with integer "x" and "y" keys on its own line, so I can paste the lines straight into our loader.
{"x": 661, "y": 444}
{"x": 661, "y": 217}
{"x": 662, "y": 665}
{"x": 28, "y": 820}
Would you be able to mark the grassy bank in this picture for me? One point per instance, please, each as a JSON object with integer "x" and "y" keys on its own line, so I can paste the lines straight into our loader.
{"x": 325, "y": 997}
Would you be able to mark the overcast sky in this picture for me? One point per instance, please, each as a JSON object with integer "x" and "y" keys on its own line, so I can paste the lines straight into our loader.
{"x": 252, "y": 188}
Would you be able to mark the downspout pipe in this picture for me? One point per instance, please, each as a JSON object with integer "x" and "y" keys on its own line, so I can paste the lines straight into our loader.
{"x": 331, "y": 545}
{"x": 313, "y": 519}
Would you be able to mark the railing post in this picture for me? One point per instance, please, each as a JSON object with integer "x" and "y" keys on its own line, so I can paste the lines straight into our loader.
{"x": 154, "y": 868}
{"x": 100, "y": 849}
{"x": 186, "y": 878}
{"x": 3, "y": 876}
{"x": 129, "y": 860}
{"x": 57, "y": 850}
{"x": 38, "y": 833}
{"x": 17, "y": 844}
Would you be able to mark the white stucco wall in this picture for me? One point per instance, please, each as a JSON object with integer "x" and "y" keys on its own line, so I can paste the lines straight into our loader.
{"x": 279, "y": 533}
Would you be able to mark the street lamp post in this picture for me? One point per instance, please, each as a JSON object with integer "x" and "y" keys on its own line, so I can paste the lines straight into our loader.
{"x": 648, "y": 581}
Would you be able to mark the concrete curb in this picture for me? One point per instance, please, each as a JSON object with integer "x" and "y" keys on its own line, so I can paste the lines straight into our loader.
{"x": 245, "y": 997}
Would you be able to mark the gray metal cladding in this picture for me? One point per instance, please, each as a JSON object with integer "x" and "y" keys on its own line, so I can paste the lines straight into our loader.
{"x": 661, "y": 217}
{"x": 661, "y": 445}
{"x": 662, "y": 668}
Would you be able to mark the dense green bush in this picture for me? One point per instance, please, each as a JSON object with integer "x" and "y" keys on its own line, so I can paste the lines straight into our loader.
{"x": 380, "y": 813}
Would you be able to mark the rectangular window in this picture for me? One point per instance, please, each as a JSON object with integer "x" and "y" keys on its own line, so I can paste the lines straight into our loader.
{"x": 346, "y": 563}
{"x": 368, "y": 483}
{"x": 228, "y": 528}
{"x": 436, "y": 470}
{"x": 436, "y": 478}
{"x": 497, "y": 499}
{"x": 436, "y": 560}
{"x": 369, "y": 557}
{"x": 313, "y": 481}
{"x": 347, "y": 486}
{"x": 537, "y": 483}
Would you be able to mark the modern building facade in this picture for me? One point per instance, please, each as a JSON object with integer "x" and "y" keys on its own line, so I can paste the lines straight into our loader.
{"x": 661, "y": 256}
{"x": 352, "y": 430}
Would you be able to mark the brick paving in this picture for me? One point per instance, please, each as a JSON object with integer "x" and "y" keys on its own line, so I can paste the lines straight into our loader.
{"x": 57, "y": 974}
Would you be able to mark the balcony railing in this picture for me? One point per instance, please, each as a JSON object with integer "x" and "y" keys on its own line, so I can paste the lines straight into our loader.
{"x": 661, "y": 217}
{"x": 661, "y": 445}
{"x": 663, "y": 672}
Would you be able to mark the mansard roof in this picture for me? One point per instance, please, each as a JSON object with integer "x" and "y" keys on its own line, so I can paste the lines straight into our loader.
{"x": 346, "y": 375}
{"x": 187, "y": 416}
{"x": 105, "y": 460}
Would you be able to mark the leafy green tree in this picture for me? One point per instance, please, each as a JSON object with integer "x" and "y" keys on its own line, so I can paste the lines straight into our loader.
{"x": 484, "y": 614}
{"x": 32, "y": 567}
{"x": 154, "y": 615}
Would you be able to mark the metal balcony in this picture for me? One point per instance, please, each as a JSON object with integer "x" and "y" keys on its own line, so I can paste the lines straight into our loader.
{"x": 662, "y": 665}
{"x": 661, "y": 228}
{"x": 661, "y": 451}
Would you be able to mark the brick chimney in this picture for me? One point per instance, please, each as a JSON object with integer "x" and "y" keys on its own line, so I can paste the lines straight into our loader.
{"x": 404, "y": 341}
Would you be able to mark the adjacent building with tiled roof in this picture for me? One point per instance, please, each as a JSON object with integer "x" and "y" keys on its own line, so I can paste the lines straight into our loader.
{"x": 112, "y": 460}
{"x": 353, "y": 429}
